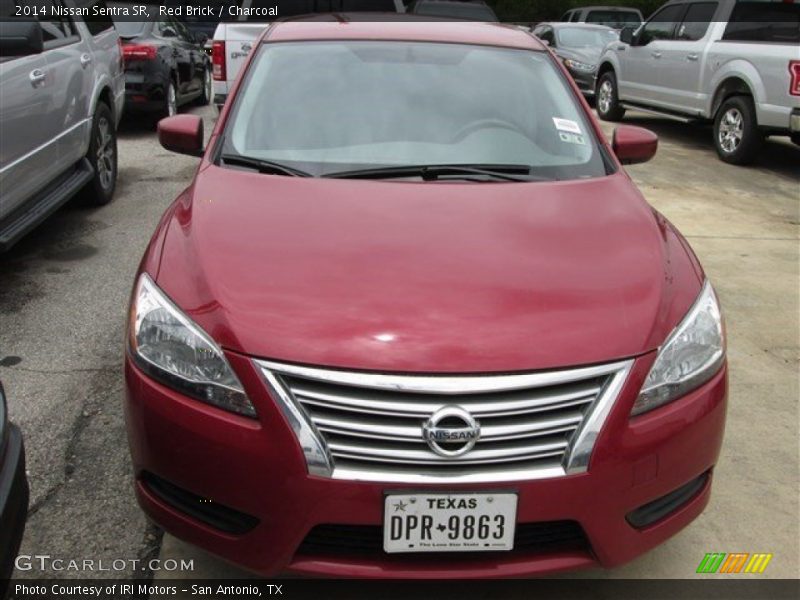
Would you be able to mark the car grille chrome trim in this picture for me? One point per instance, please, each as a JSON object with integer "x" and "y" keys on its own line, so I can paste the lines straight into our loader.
{"x": 369, "y": 426}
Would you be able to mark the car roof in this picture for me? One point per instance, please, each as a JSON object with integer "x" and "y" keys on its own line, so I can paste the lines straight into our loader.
{"x": 368, "y": 26}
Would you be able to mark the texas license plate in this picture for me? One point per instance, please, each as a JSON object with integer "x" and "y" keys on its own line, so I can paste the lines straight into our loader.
{"x": 462, "y": 522}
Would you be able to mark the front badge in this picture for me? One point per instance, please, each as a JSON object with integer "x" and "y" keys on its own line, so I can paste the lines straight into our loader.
{"x": 451, "y": 431}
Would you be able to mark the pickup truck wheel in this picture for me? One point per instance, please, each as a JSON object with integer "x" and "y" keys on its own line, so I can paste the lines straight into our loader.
{"x": 736, "y": 134}
{"x": 103, "y": 157}
{"x": 607, "y": 98}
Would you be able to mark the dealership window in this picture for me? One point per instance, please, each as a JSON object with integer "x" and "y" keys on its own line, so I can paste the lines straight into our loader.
{"x": 696, "y": 22}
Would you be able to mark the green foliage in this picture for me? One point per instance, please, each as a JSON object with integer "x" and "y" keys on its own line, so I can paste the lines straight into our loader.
{"x": 530, "y": 11}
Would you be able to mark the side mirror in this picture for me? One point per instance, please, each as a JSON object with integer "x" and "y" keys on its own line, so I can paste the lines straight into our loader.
{"x": 544, "y": 42}
{"x": 634, "y": 145}
{"x": 626, "y": 35}
{"x": 168, "y": 32}
{"x": 20, "y": 38}
{"x": 182, "y": 134}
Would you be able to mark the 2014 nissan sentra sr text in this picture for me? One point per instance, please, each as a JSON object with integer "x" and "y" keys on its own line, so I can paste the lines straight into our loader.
{"x": 413, "y": 319}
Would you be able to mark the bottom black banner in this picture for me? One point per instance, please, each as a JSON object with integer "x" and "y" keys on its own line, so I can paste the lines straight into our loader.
{"x": 317, "y": 589}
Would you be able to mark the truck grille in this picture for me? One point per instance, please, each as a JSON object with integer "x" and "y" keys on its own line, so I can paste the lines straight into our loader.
{"x": 369, "y": 426}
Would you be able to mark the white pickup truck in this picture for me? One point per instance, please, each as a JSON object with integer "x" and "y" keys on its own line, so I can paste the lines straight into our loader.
{"x": 735, "y": 63}
{"x": 233, "y": 40}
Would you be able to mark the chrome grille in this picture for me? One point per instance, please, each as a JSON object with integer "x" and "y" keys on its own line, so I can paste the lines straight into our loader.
{"x": 369, "y": 426}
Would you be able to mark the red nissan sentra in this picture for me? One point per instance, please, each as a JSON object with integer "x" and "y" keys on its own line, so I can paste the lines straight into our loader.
{"x": 413, "y": 319}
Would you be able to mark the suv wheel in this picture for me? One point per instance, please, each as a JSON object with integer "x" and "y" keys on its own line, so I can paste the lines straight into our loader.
{"x": 736, "y": 133}
{"x": 607, "y": 98}
{"x": 103, "y": 157}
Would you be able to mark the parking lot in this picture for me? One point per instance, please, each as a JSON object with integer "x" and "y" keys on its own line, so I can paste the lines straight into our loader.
{"x": 64, "y": 293}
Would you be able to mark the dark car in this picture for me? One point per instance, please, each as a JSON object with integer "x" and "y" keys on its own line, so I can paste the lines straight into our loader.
{"x": 165, "y": 66}
{"x": 457, "y": 10}
{"x": 579, "y": 46}
{"x": 13, "y": 493}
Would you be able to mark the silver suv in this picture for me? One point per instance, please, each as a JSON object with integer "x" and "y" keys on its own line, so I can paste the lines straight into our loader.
{"x": 62, "y": 90}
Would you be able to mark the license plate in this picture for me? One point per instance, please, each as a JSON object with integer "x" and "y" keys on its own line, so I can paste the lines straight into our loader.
{"x": 463, "y": 522}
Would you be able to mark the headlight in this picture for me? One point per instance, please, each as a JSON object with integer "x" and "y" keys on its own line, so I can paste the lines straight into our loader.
{"x": 579, "y": 66}
{"x": 170, "y": 348}
{"x": 692, "y": 354}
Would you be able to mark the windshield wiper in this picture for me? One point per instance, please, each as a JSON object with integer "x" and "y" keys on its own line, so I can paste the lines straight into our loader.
{"x": 263, "y": 166}
{"x": 435, "y": 172}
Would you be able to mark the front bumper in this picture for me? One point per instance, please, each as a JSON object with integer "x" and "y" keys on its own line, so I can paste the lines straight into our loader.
{"x": 13, "y": 502}
{"x": 585, "y": 81}
{"x": 257, "y": 468}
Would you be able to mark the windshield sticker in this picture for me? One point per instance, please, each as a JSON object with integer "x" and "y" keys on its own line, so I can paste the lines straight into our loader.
{"x": 566, "y": 125}
{"x": 572, "y": 138}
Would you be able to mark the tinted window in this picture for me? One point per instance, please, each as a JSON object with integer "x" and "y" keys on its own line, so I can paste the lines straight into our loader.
{"x": 98, "y": 23}
{"x": 566, "y": 15}
{"x": 696, "y": 22}
{"x": 764, "y": 22}
{"x": 410, "y": 103}
{"x": 662, "y": 25}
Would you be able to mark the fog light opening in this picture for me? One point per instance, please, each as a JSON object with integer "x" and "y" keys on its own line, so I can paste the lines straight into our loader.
{"x": 656, "y": 510}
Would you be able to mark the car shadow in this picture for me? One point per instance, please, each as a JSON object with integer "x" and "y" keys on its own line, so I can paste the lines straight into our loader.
{"x": 137, "y": 126}
{"x": 778, "y": 155}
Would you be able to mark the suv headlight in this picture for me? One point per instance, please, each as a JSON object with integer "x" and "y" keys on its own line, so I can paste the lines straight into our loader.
{"x": 692, "y": 354}
{"x": 172, "y": 349}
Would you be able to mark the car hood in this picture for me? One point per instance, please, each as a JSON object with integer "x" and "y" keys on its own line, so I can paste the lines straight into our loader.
{"x": 425, "y": 277}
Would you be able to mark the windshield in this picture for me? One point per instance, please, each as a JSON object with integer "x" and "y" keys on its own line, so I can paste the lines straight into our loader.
{"x": 326, "y": 107}
{"x": 578, "y": 37}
